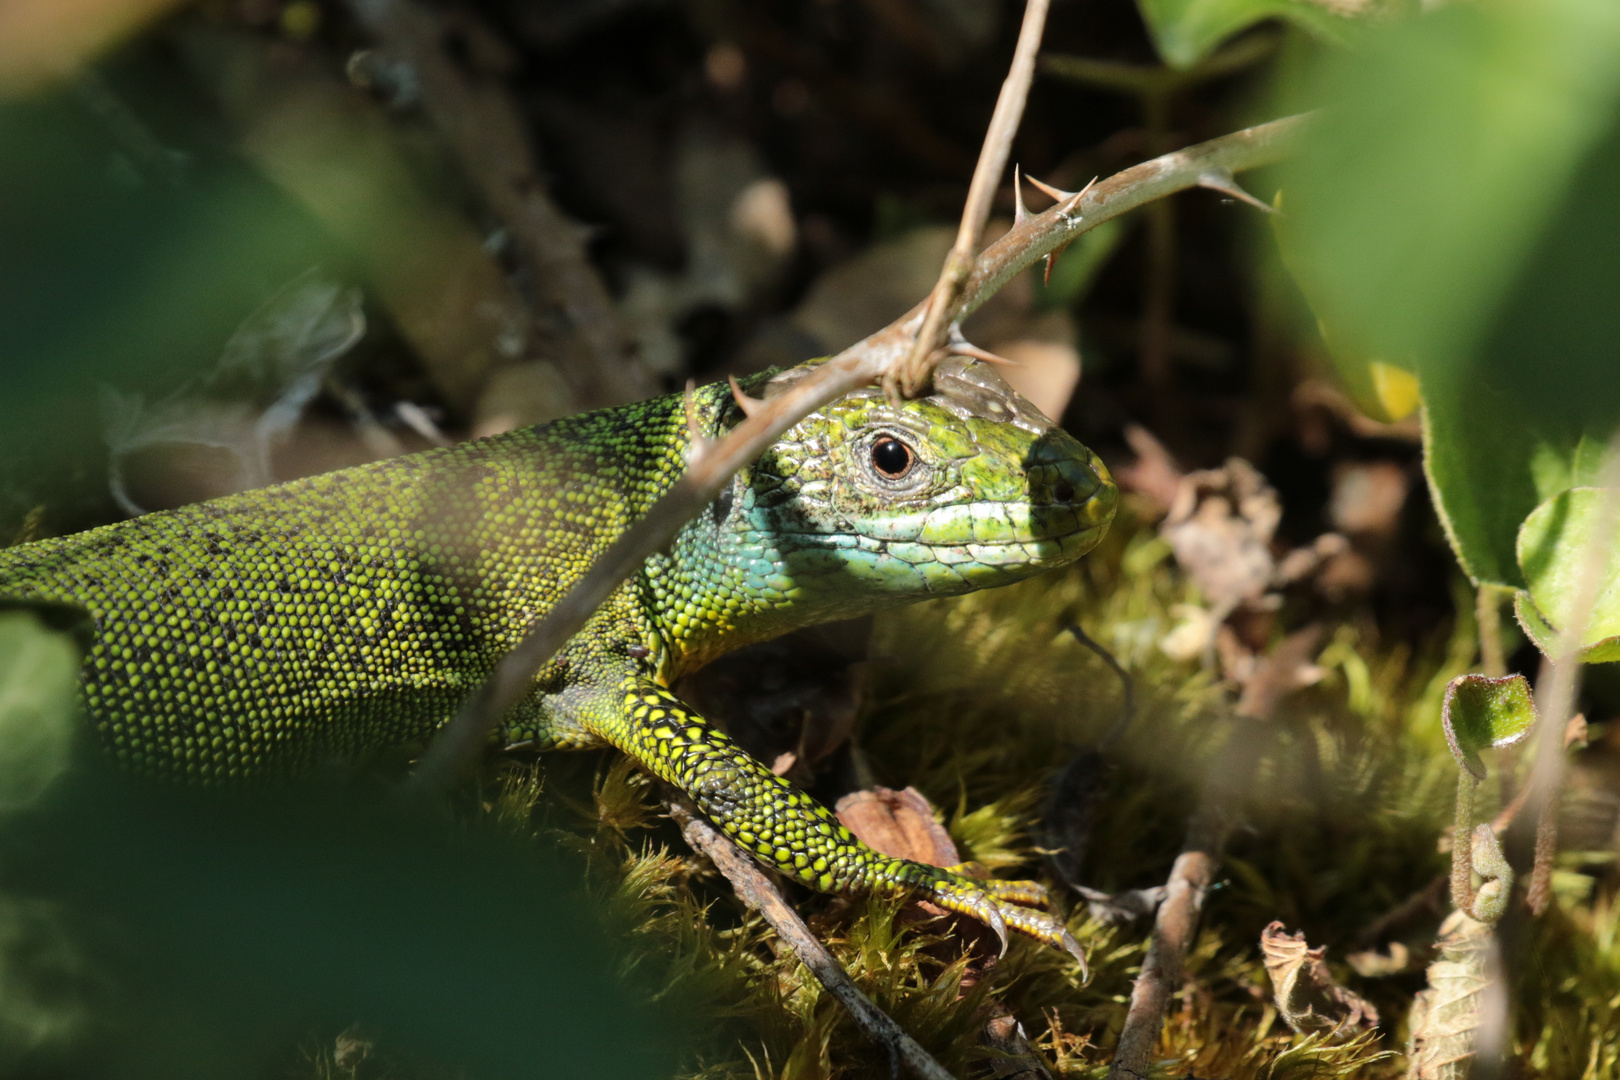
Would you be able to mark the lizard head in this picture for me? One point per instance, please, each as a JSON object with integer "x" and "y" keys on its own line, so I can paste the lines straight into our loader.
{"x": 967, "y": 488}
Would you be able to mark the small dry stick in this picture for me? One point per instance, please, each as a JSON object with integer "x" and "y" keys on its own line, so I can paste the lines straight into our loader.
{"x": 486, "y": 131}
{"x": 756, "y": 890}
{"x": 907, "y": 378}
{"x": 1559, "y": 683}
{"x": 461, "y": 740}
{"x": 1175, "y": 925}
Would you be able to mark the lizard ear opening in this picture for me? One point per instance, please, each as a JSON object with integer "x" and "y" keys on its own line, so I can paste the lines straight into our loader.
{"x": 721, "y": 507}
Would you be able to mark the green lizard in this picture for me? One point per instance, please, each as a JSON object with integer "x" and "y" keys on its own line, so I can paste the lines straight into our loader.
{"x": 346, "y": 613}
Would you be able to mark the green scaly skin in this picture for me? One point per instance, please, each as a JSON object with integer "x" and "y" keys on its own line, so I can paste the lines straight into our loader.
{"x": 347, "y": 614}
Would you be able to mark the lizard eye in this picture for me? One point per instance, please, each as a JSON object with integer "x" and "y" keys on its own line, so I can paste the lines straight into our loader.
{"x": 892, "y": 458}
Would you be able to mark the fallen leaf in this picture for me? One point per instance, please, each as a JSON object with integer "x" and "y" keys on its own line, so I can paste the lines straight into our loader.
{"x": 900, "y": 824}
{"x": 1285, "y": 668}
{"x": 1308, "y": 998}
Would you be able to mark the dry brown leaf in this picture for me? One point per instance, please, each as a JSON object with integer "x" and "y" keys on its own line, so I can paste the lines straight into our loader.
{"x": 1154, "y": 474}
{"x": 1376, "y": 964}
{"x": 1285, "y": 668}
{"x": 1308, "y": 998}
{"x": 1368, "y": 497}
{"x": 898, "y": 823}
{"x": 1220, "y": 526}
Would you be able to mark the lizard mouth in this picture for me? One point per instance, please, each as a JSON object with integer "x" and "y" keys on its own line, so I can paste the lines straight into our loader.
{"x": 929, "y": 567}
{"x": 1036, "y": 552}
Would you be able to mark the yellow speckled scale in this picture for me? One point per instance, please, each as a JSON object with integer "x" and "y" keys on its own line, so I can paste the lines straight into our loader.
{"x": 349, "y": 613}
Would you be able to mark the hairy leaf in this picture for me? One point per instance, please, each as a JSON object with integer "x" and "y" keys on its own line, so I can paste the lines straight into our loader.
{"x": 1187, "y": 31}
{"x": 1479, "y": 712}
{"x": 1457, "y": 213}
{"x": 1554, "y": 545}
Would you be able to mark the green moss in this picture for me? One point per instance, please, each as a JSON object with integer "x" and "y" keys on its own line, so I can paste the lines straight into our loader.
{"x": 976, "y": 701}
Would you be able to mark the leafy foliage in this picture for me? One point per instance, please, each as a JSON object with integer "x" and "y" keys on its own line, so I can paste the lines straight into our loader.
{"x": 1501, "y": 112}
{"x": 1187, "y": 31}
{"x": 1555, "y": 543}
{"x": 1480, "y": 713}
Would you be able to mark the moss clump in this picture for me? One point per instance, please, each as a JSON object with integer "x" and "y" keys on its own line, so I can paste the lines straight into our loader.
{"x": 976, "y": 701}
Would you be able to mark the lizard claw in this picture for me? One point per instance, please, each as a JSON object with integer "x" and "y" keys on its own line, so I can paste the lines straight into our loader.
{"x": 998, "y": 904}
{"x": 1072, "y": 947}
{"x": 998, "y": 923}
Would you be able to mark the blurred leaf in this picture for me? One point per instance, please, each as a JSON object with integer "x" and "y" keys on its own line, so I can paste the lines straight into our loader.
{"x": 271, "y": 368}
{"x": 1187, "y": 31}
{"x": 1479, "y": 712}
{"x": 1457, "y": 212}
{"x": 220, "y": 929}
{"x": 115, "y": 272}
{"x": 1553, "y": 548}
{"x": 1530, "y": 416}
{"x": 43, "y": 41}
{"x": 39, "y": 671}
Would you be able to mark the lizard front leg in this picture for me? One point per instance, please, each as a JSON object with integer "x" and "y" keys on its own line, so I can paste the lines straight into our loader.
{"x": 786, "y": 829}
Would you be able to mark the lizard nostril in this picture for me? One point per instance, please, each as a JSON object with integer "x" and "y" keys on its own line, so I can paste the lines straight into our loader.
{"x": 1063, "y": 491}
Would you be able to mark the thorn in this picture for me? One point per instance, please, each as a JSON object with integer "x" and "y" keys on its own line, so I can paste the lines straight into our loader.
{"x": 1075, "y": 201}
{"x": 749, "y": 405}
{"x": 697, "y": 443}
{"x": 998, "y": 923}
{"x": 1020, "y": 213}
{"x": 1051, "y": 261}
{"x": 1221, "y": 180}
{"x": 962, "y": 348}
{"x": 1057, "y": 193}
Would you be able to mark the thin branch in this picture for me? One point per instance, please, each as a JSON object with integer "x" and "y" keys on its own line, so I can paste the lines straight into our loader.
{"x": 1560, "y": 680}
{"x": 1251, "y": 148}
{"x": 1127, "y": 687}
{"x": 909, "y": 377}
{"x": 485, "y": 130}
{"x": 1175, "y": 924}
{"x": 756, "y": 890}
{"x": 461, "y": 740}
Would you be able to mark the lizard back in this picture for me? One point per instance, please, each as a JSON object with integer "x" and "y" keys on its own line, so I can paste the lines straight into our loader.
{"x": 344, "y": 612}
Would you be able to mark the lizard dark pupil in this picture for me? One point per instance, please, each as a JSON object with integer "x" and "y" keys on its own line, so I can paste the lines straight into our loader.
{"x": 891, "y": 457}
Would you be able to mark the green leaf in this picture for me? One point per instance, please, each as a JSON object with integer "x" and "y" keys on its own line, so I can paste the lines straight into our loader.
{"x": 1479, "y": 712}
{"x": 39, "y": 716}
{"x": 1457, "y": 212}
{"x": 1187, "y": 31}
{"x": 1553, "y": 548}
{"x": 1530, "y": 416}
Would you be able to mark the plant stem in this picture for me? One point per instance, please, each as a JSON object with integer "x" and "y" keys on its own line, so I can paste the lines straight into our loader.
{"x": 911, "y": 375}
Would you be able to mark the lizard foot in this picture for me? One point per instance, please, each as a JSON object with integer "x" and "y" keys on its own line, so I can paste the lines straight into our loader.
{"x": 1032, "y": 893}
{"x": 999, "y": 905}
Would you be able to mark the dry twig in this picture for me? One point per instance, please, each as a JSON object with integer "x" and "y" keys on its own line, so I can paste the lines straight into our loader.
{"x": 488, "y": 136}
{"x": 461, "y": 740}
{"x": 1559, "y": 682}
{"x": 756, "y": 890}
{"x": 908, "y": 377}
{"x": 1175, "y": 926}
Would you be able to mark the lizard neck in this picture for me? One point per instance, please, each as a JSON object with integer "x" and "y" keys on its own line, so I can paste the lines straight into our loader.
{"x": 738, "y": 574}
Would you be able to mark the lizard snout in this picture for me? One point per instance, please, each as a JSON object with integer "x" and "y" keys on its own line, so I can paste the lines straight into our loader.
{"x": 1063, "y": 473}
